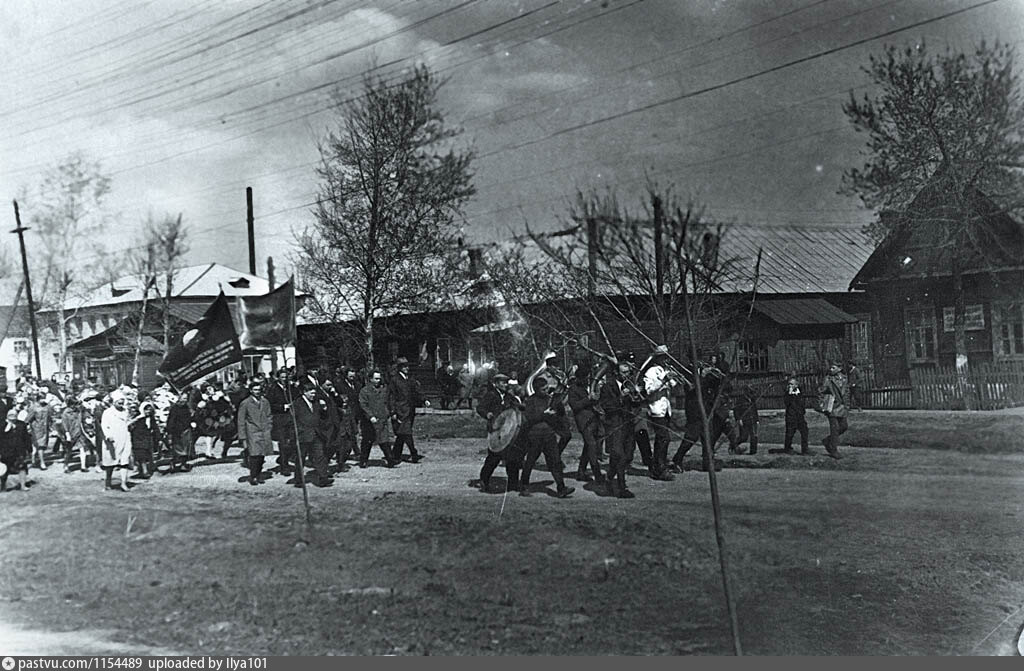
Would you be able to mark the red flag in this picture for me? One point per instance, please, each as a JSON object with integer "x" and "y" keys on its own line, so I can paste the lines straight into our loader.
{"x": 208, "y": 347}
{"x": 268, "y": 321}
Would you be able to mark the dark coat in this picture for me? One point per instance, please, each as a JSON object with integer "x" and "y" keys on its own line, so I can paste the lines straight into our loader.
{"x": 405, "y": 396}
{"x": 493, "y": 403}
{"x": 15, "y": 446}
{"x": 538, "y": 423}
{"x": 614, "y": 402}
{"x": 581, "y": 403}
{"x": 179, "y": 420}
{"x": 312, "y": 422}
{"x": 145, "y": 436}
{"x": 278, "y": 397}
{"x": 795, "y": 407}
{"x": 375, "y": 402}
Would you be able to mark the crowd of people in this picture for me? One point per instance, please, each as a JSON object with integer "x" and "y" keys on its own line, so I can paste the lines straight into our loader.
{"x": 618, "y": 409}
{"x": 308, "y": 418}
{"x": 323, "y": 420}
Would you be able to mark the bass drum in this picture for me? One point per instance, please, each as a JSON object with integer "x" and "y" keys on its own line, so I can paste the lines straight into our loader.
{"x": 504, "y": 429}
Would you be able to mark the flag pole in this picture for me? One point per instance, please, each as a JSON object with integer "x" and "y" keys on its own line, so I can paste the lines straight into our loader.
{"x": 301, "y": 474}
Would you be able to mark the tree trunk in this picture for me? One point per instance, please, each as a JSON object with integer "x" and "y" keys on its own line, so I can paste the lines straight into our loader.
{"x": 960, "y": 332}
{"x": 368, "y": 328}
{"x": 138, "y": 336}
{"x": 62, "y": 335}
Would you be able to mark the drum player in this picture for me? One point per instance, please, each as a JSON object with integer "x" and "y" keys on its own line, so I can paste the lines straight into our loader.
{"x": 496, "y": 400}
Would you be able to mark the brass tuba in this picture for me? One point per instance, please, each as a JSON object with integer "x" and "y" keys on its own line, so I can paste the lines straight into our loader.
{"x": 528, "y": 387}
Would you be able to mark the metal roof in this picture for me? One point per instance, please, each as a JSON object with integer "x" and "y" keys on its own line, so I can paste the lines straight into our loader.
{"x": 794, "y": 259}
{"x": 204, "y": 281}
{"x": 802, "y": 311}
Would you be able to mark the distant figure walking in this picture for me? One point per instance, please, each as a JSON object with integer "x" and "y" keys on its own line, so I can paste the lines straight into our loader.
{"x": 835, "y": 395}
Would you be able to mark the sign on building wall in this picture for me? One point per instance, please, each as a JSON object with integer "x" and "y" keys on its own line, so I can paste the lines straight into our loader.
{"x": 974, "y": 318}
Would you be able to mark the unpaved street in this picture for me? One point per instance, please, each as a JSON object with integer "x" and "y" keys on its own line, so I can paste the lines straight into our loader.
{"x": 885, "y": 552}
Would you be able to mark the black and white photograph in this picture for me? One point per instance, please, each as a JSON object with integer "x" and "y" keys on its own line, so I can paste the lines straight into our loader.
{"x": 454, "y": 327}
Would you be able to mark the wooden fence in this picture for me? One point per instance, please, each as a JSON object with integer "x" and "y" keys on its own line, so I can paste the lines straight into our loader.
{"x": 986, "y": 387}
{"x": 982, "y": 387}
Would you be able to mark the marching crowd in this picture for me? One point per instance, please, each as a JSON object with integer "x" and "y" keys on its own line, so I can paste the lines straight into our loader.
{"x": 318, "y": 420}
{"x": 618, "y": 409}
{"x": 307, "y": 417}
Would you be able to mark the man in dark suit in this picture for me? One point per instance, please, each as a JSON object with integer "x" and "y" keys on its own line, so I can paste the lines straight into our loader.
{"x": 405, "y": 396}
{"x": 587, "y": 421}
{"x": 620, "y": 416}
{"x": 280, "y": 394}
{"x": 313, "y": 426}
{"x": 541, "y": 438}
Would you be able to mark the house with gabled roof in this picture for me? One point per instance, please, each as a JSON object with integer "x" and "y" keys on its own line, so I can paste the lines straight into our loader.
{"x": 101, "y": 324}
{"x": 909, "y": 281}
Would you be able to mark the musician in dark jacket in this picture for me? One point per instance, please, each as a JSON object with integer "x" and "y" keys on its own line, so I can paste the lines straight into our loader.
{"x": 313, "y": 427}
{"x": 405, "y": 397}
{"x": 283, "y": 430}
{"x": 585, "y": 411}
{"x": 541, "y": 422}
{"x": 619, "y": 400}
{"x": 495, "y": 400}
{"x": 716, "y": 406}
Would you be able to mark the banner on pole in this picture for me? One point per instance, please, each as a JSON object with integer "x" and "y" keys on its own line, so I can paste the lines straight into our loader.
{"x": 208, "y": 347}
{"x": 268, "y": 321}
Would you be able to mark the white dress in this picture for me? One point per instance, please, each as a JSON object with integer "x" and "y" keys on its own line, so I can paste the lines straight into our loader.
{"x": 115, "y": 429}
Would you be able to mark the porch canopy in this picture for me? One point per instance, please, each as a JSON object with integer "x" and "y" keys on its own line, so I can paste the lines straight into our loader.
{"x": 803, "y": 312}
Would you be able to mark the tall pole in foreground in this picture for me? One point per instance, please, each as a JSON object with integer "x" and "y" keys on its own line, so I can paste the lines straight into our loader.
{"x": 270, "y": 283}
{"x": 251, "y": 230}
{"x": 20, "y": 230}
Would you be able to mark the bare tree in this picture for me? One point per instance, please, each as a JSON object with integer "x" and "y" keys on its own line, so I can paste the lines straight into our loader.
{"x": 391, "y": 188}
{"x": 67, "y": 213}
{"x": 660, "y": 273}
{"x": 170, "y": 239}
{"x": 163, "y": 244}
{"x": 947, "y": 126}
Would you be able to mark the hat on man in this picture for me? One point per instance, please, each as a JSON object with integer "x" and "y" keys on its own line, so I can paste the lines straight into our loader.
{"x": 401, "y": 361}
{"x": 661, "y": 350}
{"x": 500, "y": 377}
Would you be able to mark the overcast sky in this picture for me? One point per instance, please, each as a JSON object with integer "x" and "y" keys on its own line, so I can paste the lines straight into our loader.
{"x": 186, "y": 102}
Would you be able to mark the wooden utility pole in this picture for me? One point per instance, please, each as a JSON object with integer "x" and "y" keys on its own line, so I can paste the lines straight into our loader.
{"x": 659, "y": 248}
{"x": 270, "y": 282}
{"x": 592, "y": 256}
{"x": 251, "y": 230}
{"x": 20, "y": 230}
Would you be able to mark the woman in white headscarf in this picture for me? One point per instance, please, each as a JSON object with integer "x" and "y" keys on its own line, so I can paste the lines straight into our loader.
{"x": 117, "y": 440}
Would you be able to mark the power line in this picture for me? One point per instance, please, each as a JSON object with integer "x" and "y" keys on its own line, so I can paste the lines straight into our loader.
{"x": 738, "y": 80}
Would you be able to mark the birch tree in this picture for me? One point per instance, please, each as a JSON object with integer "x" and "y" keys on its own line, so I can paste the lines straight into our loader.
{"x": 392, "y": 188}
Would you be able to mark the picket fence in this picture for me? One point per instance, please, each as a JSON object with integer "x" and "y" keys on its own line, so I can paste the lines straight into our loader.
{"x": 986, "y": 387}
{"x": 983, "y": 387}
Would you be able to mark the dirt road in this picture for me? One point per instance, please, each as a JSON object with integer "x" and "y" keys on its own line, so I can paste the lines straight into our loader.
{"x": 884, "y": 552}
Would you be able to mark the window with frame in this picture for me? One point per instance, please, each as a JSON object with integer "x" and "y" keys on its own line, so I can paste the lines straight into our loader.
{"x": 1008, "y": 327}
{"x": 974, "y": 318}
{"x": 921, "y": 336}
{"x": 752, "y": 356}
